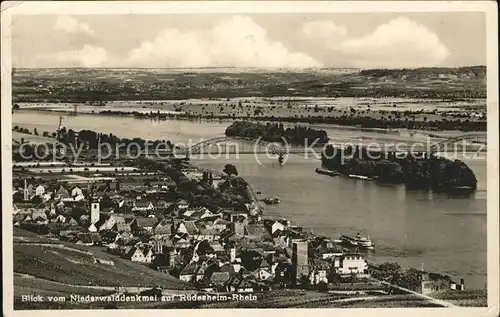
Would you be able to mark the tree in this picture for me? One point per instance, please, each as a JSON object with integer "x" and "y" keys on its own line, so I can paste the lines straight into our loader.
{"x": 36, "y": 200}
{"x": 353, "y": 277}
{"x": 304, "y": 281}
{"x": 333, "y": 276}
{"x": 230, "y": 169}
{"x": 250, "y": 259}
{"x": 204, "y": 179}
{"x": 411, "y": 279}
{"x": 322, "y": 286}
{"x": 210, "y": 179}
{"x": 388, "y": 271}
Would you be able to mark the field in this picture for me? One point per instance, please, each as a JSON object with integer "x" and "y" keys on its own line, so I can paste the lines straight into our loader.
{"x": 469, "y": 298}
{"x": 424, "y": 98}
{"x": 276, "y": 107}
{"x": 160, "y": 84}
{"x": 26, "y": 285}
{"x": 18, "y": 137}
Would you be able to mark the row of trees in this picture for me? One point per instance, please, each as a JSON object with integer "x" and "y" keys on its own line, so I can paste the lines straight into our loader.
{"x": 276, "y": 132}
{"x": 92, "y": 139}
{"x": 35, "y": 132}
{"x": 347, "y": 119}
{"x": 411, "y": 278}
{"x": 233, "y": 192}
{"x": 427, "y": 172}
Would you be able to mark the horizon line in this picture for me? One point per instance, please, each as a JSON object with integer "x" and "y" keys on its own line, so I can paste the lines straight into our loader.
{"x": 261, "y": 68}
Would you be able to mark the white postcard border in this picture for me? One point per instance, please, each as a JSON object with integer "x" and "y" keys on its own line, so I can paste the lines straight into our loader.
{"x": 152, "y": 7}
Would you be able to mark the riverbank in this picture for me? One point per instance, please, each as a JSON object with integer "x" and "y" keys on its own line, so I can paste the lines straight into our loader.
{"x": 455, "y": 228}
{"x": 361, "y": 115}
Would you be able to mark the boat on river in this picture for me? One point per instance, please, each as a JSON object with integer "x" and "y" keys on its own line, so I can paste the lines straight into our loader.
{"x": 361, "y": 177}
{"x": 323, "y": 171}
{"x": 357, "y": 241}
{"x": 271, "y": 200}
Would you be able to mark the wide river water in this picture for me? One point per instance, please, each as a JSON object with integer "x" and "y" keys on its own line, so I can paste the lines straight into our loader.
{"x": 444, "y": 234}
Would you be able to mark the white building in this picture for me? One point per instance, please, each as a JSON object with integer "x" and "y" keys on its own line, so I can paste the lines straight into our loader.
{"x": 318, "y": 276}
{"x": 263, "y": 274}
{"x": 277, "y": 226}
{"x": 76, "y": 191}
{"x": 94, "y": 212}
{"x": 353, "y": 263}
{"x": 143, "y": 206}
{"x": 39, "y": 190}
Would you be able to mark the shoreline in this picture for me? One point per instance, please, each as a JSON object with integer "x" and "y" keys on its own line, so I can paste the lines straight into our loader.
{"x": 308, "y": 231}
{"x": 194, "y": 166}
{"x": 429, "y": 132}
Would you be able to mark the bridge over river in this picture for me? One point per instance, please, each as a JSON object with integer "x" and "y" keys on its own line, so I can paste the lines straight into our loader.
{"x": 470, "y": 142}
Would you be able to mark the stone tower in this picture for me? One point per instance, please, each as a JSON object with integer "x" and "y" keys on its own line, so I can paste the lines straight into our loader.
{"x": 300, "y": 261}
{"x": 94, "y": 211}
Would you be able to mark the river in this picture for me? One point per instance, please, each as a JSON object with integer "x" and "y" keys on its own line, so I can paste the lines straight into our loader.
{"x": 444, "y": 234}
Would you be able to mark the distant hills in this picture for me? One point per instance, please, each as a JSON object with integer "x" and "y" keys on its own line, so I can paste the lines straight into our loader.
{"x": 469, "y": 71}
{"x": 84, "y": 84}
{"x": 434, "y": 70}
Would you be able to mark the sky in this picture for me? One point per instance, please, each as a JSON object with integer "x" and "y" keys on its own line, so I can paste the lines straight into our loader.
{"x": 339, "y": 40}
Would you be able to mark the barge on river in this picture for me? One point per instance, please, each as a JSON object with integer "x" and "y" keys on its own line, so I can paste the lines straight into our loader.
{"x": 361, "y": 177}
{"x": 323, "y": 171}
{"x": 357, "y": 241}
{"x": 271, "y": 200}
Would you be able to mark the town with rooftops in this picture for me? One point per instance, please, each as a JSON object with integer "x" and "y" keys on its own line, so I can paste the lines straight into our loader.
{"x": 292, "y": 159}
{"x": 207, "y": 229}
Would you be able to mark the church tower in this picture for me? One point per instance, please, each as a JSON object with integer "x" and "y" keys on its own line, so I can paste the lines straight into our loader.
{"x": 94, "y": 211}
{"x": 25, "y": 191}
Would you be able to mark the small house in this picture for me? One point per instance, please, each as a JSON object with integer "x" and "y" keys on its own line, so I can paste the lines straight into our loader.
{"x": 245, "y": 287}
{"x": 188, "y": 227}
{"x": 277, "y": 226}
{"x": 206, "y": 234}
{"x": 144, "y": 223}
{"x": 39, "y": 190}
{"x": 122, "y": 227}
{"x": 76, "y": 191}
{"x": 263, "y": 274}
{"x": 62, "y": 193}
{"x": 143, "y": 206}
{"x": 134, "y": 254}
{"x": 88, "y": 239}
{"x": 39, "y": 214}
{"x": 162, "y": 228}
{"x": 30, "y": 191}
{"x": 190, "y": 273}
{"x": 110, "y": 236}
{"x": 147, "y": 253}
{"x": 182, "y": 244}
{"x": 163, "y": 261}
{"x": 72, "y": 222}
{"x": 220, "y": 280}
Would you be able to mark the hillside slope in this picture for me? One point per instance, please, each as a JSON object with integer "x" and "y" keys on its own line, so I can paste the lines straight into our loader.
{"x": 71, "y": 264}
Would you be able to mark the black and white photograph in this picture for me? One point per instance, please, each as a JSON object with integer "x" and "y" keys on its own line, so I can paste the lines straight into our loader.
{"x": 266, "y": 155}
